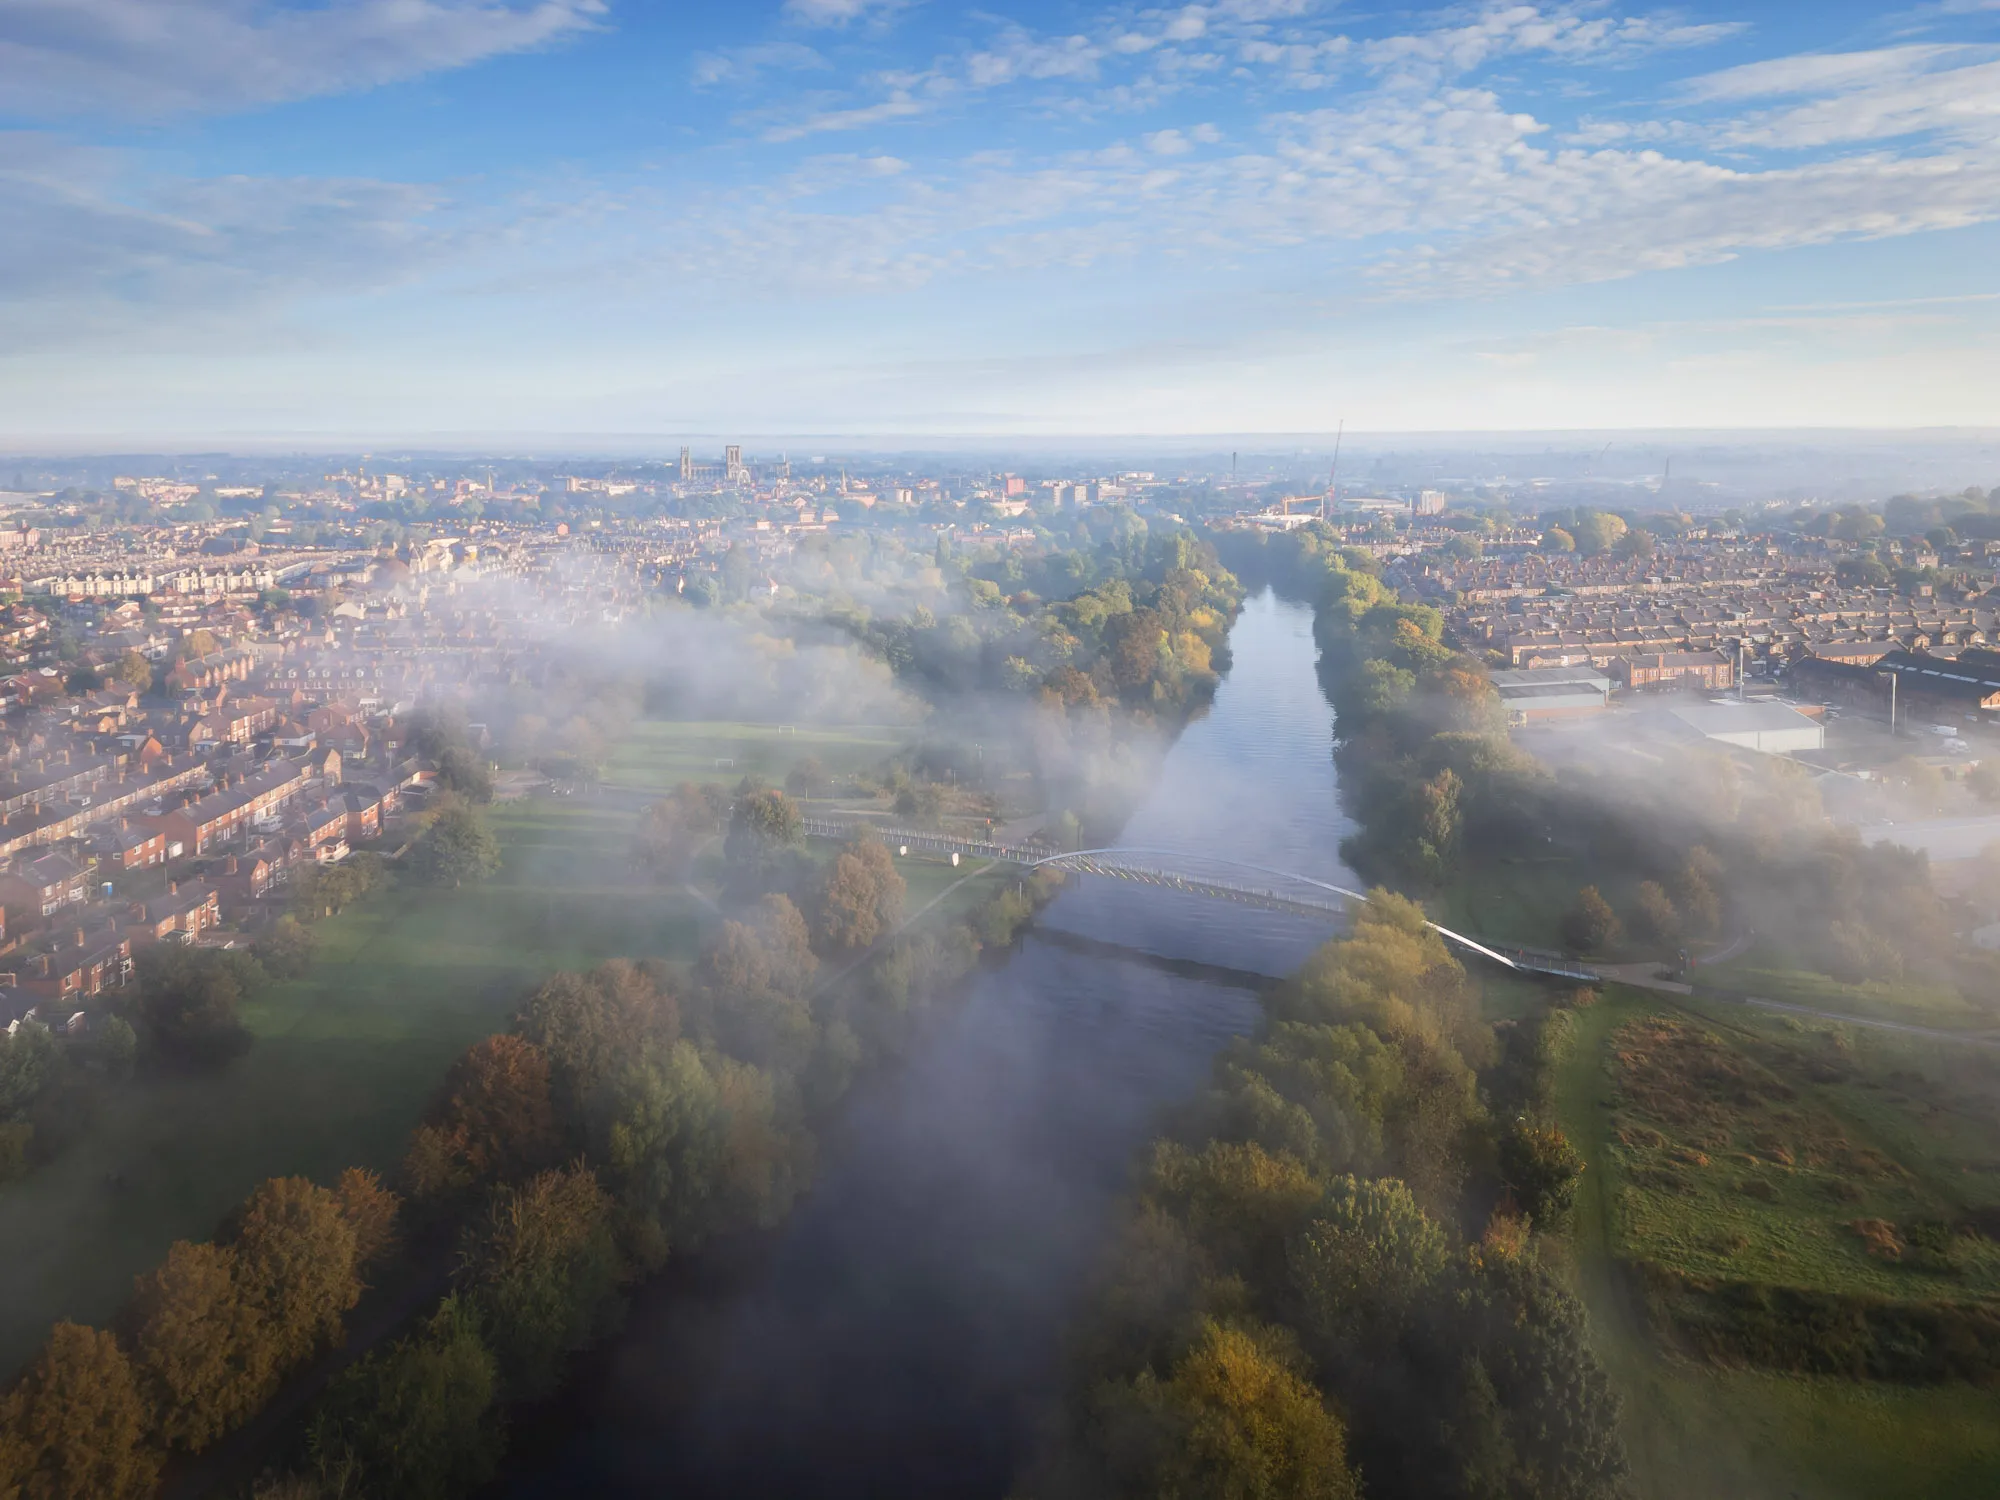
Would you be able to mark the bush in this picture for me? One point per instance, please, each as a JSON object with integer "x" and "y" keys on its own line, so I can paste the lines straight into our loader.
{"x": 1590, "y": 925}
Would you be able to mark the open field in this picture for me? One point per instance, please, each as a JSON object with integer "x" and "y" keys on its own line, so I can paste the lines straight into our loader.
{"x": 1522, "y": 900}
{"x": 1696, "y": 1430}
{"x": 660, "y": 754}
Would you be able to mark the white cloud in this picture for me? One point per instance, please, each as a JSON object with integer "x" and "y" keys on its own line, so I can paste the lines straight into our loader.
{"x": 89, "y": 247}
{"x": 1895, "y": 98}
{"x": 60, "y": 58}
{"x": 1018, "y": 54}
{"x": 900, "y": 105}
{"x": 743, "y": 64}
{"x": 841, "y": 12}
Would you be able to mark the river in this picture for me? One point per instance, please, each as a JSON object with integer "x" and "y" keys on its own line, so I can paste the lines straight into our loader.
{"x": 899, "y": 1336}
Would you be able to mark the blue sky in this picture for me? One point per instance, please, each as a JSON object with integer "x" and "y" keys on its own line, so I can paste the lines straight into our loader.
{"x": 230, "y": 218}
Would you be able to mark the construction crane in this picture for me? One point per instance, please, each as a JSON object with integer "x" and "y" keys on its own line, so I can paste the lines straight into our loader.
{"x": 1327, "y": 500}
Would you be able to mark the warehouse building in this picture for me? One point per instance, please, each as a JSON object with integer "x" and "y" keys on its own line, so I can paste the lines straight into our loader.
{"x": 1539, "y": 695}
{"x": 1772, "y": 728}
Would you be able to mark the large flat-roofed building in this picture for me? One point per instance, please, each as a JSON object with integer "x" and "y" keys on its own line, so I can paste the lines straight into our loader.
{"x": 1537, "y": 695}
{"x": 1965, "y": 688}
{"x": 1773, "y": 728}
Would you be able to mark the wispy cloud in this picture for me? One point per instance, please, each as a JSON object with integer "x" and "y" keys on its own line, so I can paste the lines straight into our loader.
{"x": 65, "y": 58}
{"x": 842, "y": 12}
{"x": 743, "y": 64}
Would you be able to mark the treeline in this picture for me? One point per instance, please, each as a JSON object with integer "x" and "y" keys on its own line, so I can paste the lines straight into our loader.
{"x": 1128, "y": 621}
{"x": 1331, "y": 1279}
{"x": 207, "y": 1340}
{"x": 626, "y": 1116}
{"x": 1441, "y": 794}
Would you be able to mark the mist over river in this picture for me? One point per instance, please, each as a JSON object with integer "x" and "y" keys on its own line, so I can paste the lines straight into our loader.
{"x": 901, "y": 1333}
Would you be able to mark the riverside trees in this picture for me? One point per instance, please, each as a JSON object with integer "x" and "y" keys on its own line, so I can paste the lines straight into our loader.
{"x": 1309, "y": 1268}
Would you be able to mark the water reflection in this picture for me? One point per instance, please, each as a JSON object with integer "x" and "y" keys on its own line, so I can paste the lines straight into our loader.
{"x": 908, "y": 1320}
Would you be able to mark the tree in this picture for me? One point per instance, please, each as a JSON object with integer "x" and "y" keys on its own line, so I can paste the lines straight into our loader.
{"x": 763, "y": 820}
{"x": 1541, "y": 1168}
{"x": 133, "y": 671}
{"x": 672, "y": 831}
{"x": 592, "y": 1026}
{"x": 195, "y": 645}
{"x": 1695, "y": 892}
{"x": 415, "y": 1421}
{"x": 1363, "y": 1266}
{"x": 370, "y": 1210}
{"x": 286, "y": 951}
{"x": 1655, "y": 919}
{"x": 189, "y": 998}
{"x": 76, "y": 1424}
{"x": 773, "y": 951}
{"x": 542, "y": 1270}
{"x": 1555, "y": 539}
{"x": 494, "y": 1119}
{"x": 1596, "y": 532}
{"x": 441, "y": 737}
{"x": 205, "y": 1352}
{"x": 297, "y": 1265}
{"x": 860, "y": 896}
{"x": 1590, "y": 924}
{"x": 83, "y": 680}
{"x": 1637, "y": 542}
{"x": 1983, "y": 780}
{"x": 458, "y": 848}
{"x": 1236, "y": 1423}
{"x": 807, "y": 778}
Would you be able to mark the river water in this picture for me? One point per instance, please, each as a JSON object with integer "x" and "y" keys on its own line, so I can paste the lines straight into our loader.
{"x": 904, "y": 1329}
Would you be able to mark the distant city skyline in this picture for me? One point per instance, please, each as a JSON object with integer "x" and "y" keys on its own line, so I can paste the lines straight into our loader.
{"x": 243, "y": 220}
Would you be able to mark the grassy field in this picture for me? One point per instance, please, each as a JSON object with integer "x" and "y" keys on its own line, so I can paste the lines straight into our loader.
{"x": 346, "y": 1058}
{"x": 659, "y": 754}
{"x": 1695, "y": 1430}
{"x": 1777, "y": 975}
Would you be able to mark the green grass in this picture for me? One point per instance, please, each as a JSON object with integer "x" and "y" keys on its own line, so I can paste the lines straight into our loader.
{"x": 1523, "y": 900}
{"x": 660, "y": 754}
{"x": 343, "y": 1063}
{"x": 1776, "y": 975}
{"x": 1695, "y": 1431}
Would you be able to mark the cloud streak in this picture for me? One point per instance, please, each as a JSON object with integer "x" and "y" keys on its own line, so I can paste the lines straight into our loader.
{"x": 153, "y": 58}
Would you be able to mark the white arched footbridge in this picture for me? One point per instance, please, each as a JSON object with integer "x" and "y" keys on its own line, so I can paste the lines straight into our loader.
{"x": 1197, "y": 875}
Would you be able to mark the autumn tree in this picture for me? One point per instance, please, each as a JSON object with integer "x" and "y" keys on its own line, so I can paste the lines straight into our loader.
{"x": 1654, "y": 917}
{"x": 493, "y": 1119}
{"x": 133, "y": 671}
{"x": 860, "y": 896}
{"x": 297, "y": 1265}
{"x": 75, "y": 1426}
{"x": 673, "y": 830}
{"x": 370, "y": 1210}
{"x": 204, "y": 1351}
{"x": 1590, "y": 924}
{"x": 1237, "y": 1419}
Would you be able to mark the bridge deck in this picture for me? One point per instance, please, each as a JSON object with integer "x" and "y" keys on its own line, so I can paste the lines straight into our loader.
{"x": 1272, "y": 890}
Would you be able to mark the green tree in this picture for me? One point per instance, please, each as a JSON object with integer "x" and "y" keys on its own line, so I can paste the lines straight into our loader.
{"x": 415, "y": 1421}
{"x": 459, "y": 847}
{"x": 673, "y": 830}
{"x": 189, "y": 999}
{"x": 133, "y": 671}
{"x": 76, "y": 1423}
{"x": 1365, "y": 1265}
{"x": 542, "y": 1270}
{"x": 1541, "y": 1169}
{"x": 286, "y": 951}
{"x": 1590, "y": 925}
{"x": 591, "y": 1027}
{"x": 1555, "y": 539}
